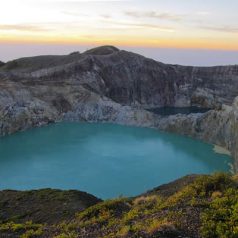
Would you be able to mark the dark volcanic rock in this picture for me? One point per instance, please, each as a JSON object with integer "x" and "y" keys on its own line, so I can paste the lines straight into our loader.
{"x": 43, "y": 206}
{"x": 102, "y": 50}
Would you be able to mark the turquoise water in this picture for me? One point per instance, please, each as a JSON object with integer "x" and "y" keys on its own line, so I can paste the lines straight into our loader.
{"x": 103, "y": 159}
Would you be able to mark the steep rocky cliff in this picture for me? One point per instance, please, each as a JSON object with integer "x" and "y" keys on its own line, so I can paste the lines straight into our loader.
{"x": 130, "y": 79}
{"x": 109, "y": 85}
{"x": 234, "y": 132}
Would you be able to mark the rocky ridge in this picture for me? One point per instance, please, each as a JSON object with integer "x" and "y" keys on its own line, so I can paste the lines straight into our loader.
{"x": 43, "y": 206}
{"x": 106, "y": 84}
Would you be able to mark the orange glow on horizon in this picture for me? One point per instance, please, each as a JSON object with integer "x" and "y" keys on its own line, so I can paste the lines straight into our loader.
{"x": 161, "y": 43}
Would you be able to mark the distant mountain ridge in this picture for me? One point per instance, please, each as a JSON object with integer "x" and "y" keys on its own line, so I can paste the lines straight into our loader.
{"x": 127, "y": 77}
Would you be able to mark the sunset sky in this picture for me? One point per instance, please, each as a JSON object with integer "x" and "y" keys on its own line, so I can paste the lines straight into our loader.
{"x": 178, "y": 27}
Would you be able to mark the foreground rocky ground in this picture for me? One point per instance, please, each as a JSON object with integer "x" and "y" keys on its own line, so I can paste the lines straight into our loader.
{"x": 191, "y": 207}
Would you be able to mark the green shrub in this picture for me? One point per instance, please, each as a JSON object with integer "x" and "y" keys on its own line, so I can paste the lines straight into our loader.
{"x": 220, "y": 220}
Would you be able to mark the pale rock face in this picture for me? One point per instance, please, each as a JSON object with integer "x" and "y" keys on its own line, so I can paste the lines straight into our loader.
{"x": 235, "y": 104}
{"x": 109, "y": 85}
{"x": 234, "y": 129}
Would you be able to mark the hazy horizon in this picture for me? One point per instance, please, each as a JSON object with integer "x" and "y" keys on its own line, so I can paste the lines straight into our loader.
{"x": 195, "y": 57}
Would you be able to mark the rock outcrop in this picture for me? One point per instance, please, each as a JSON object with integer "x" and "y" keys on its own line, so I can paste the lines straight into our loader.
{"x": 45, "y": 205}
{"x": 218, "y": 127}
{"x": 109, "y": 85}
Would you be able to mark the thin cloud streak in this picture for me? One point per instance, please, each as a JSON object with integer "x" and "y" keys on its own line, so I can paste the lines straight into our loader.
{"x": 22, "y": 27}
{"x": 156, "y": 15}
{"x": 106, "y": 16}
{"x": 74, "y": 14}
{"x": 144, "y": 25}
{"x": 226, "y": 29}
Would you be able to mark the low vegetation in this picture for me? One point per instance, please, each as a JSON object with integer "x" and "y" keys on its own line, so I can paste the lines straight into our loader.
{"x": 205, "y": 208}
